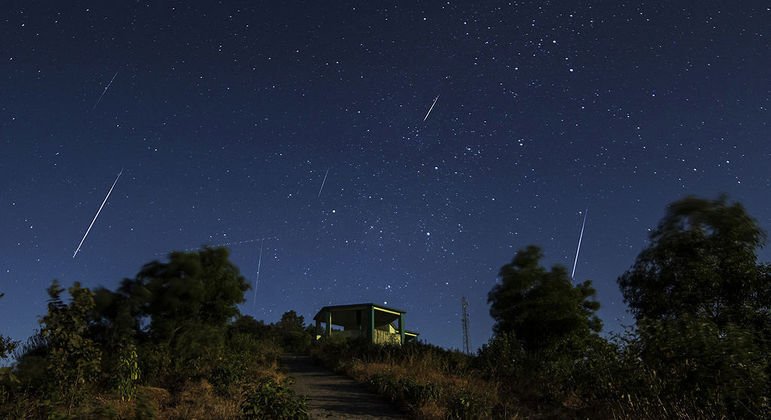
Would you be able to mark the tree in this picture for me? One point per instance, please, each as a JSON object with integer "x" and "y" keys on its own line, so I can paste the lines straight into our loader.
{"x": 702, "y": 302}
{"x": 246, "y": 324}
{"x": 201, "y": 287}
{"x": 290, "y": 321}
{"x": 701, "y": 262}
{"x": 541, "y": 307}
{"x": 72, "y": 358}
{"x": 7, "y": 345}
{"x": 188, "y": 302}
{"x": 292, "y": 333}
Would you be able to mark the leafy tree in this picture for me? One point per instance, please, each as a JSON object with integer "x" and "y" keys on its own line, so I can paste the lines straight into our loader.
{"x": 246, "y": 324}
{"x": 541, "y": 307}
{"x": 290, "y": 321}
{"x": 73, "y": 359}
{"x": 120, "y": 313}
{"x": 702, "y": 304}
{"x": 188, "y": 303}
{"x": 200, "y": 287}
{"x": 701, "y": 262}
{"x": 6, "y": 344}
{"x": 292, "y": 332}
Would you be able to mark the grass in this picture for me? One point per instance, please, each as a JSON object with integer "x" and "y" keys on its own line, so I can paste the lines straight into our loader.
{"x": 429, "y": 382}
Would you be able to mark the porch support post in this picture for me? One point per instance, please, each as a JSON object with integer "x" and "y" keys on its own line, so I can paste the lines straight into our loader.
{"x": 372, "y": 324}
{"x": 401, "y": 328}
{"x": 329, "y": 323}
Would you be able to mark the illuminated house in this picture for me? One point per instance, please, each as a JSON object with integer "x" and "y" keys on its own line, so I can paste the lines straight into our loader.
{"x": 376, "y": 322}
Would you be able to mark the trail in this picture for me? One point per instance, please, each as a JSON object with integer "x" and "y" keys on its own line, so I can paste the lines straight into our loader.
{"x": 335, "y": 396}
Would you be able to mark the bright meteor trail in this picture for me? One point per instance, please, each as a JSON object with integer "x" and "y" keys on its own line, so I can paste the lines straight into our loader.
{"x": 97, "y": 214}
{"x": 580, "y": 237}
{"x": 429, "y": 109}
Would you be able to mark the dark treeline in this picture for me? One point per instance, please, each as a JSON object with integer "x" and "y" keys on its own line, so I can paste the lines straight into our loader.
{"x": 171, "y": 343}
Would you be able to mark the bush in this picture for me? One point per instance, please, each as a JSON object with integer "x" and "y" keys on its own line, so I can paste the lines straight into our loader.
{"x": 272, "y": 400}
{"x": 244, "y": 358}
{"x": 73, "y": 361}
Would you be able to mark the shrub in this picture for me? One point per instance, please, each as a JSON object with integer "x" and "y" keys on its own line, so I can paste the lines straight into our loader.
{"x": 127, "y": 372}
{"x": 468, "y": 405}
{"x": 272, "y": 400}
{"x": 73, "y": 361}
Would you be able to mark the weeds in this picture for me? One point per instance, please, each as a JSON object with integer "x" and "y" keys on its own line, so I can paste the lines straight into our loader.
{"x": 270, "y": 399}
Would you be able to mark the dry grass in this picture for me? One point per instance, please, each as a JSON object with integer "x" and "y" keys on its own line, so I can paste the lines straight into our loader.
{"x": 194, "y": 400}
{"x": 447, "y": 390}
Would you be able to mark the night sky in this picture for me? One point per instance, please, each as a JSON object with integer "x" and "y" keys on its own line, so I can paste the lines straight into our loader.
{"x": 227, "y": 118}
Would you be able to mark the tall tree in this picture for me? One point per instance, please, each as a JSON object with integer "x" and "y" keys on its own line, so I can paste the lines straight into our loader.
{"x": 176, "y": 311}
{"x": 73, "y": 359}
{"x": 702, "y": 302}
{"x": 292, "y": 333}
{"x": 541, "y": 307}
{"x": 701, "y": 262}
{"x": 201, "y": 287}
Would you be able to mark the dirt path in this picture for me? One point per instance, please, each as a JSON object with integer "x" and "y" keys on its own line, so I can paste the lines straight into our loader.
{"x": 335, "y": 396}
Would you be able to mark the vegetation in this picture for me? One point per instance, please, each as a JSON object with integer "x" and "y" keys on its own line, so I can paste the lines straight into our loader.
{"x": 171, "y": 343}
{"x": 6, "y": 344}
{"x": 702, "y": 304}
{"x": 541, "y": 308}
{"x": 428, "y": 381}
{"x": 700, "y": 348}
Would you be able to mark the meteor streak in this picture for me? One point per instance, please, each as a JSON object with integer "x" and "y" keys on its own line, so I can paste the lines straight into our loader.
{"x": 580, "y": 237}
{"x": 322, "y": 183}
{"x": 257, "y": 280}
{"x": 228, "y": 244}
{"x": 104, "y": 91}
{"x": 429, "y": 109}
{"x": 97, "y": 214}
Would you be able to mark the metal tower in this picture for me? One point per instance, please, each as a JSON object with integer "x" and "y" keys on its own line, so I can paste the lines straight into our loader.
{"x": 466, "y": 343}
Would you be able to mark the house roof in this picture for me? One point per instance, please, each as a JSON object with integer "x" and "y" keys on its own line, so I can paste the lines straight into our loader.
{"x": 339, "y": 308}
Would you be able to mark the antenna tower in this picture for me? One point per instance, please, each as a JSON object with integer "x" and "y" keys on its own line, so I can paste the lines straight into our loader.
{"x": 466, "y": 344}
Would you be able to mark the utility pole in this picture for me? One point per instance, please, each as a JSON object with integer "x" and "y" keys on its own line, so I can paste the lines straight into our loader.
{"x": 466, "y": 343}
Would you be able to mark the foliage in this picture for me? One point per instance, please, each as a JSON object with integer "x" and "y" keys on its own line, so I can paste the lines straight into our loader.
{"x": 428, "y": 380}
{"x": 723, "y": 369}
{"x": 501, "y": 357}
{"x": 201, "y": 287}
{"x": 72, "y": 358}
{"x": 292, "y": 333}
{"x": 7, "y": 378}
{"x": 272, "y": 400}
{"x": 246, "y": 324}
{"x": 128, "y": 372}
{"x": 246, "y": 358}
{"x": 144, "y": 408}
{"x": 169, "y": 343}
{"x": 7, "y": 345}
{"x": 177, "y": 312}
{"x": 541, "y": 307}
{"x": 702, "y": 302}
{"x": 701, "y": 262}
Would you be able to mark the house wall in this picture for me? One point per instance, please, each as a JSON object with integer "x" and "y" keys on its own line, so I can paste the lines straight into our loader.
{"x": 385, "y": 337}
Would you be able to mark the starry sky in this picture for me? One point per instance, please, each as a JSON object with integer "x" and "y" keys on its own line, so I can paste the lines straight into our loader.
{"x": 297, "y": 132}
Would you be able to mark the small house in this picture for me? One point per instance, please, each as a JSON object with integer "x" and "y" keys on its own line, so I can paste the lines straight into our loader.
{"x": 380, "y": 324}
